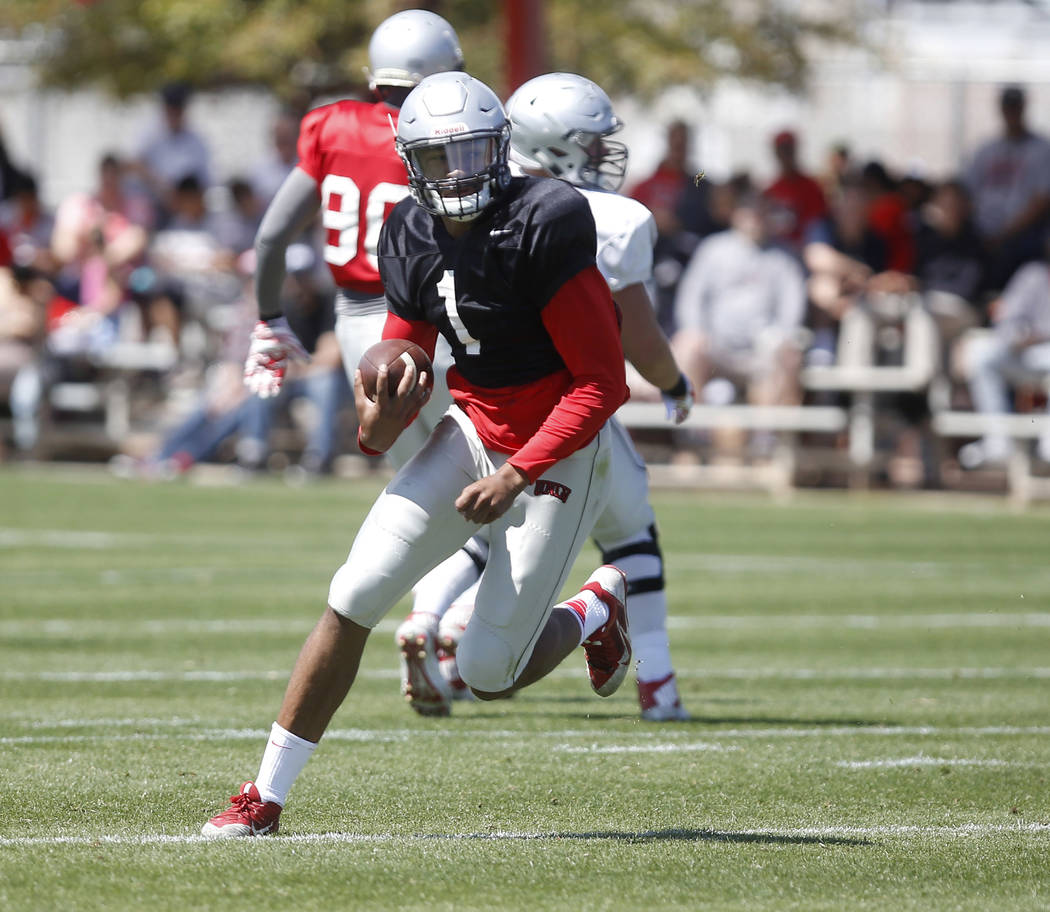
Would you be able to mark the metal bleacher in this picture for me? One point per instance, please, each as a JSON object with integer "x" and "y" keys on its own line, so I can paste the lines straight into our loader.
{"x": 855, "y": 383}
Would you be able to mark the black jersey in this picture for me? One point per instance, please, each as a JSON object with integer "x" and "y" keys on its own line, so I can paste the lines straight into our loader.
{"x": 485, "y": 291}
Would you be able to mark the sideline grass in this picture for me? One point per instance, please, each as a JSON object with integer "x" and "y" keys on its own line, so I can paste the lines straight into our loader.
{"x": 867, "y": 677}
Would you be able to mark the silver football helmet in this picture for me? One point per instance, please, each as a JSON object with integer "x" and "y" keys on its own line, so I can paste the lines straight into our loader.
{"x": 560, "y": 123}
{"x": 454, "y": 139}
{"x": 409, "y": 46}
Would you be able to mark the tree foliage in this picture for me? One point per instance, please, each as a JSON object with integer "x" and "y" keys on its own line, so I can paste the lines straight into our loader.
{"x": 305, "y": 48}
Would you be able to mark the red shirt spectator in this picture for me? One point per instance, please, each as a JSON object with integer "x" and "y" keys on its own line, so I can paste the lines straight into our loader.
{"x": 889, "y": 218}
{"x": 800, "y": 197}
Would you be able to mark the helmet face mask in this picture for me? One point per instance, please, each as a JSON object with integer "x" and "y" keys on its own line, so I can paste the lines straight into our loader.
{"x": 454, "y": 140}
{"x": 606, "y": 164}
{"x": 560, "y": 124}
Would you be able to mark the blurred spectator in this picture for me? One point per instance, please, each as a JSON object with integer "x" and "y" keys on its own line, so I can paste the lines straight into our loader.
{"x": 842, "y": 253}
{"x": 189, "y": 268}
{"x": 97, "y": 241}
{"x": 680, "y": 202}
{"x": 236, "y": 227}
{"x": 1009, "y": 179}
{"x": 270, "y": 173}
{"x": 889, "y": 217}
{"x": 916, "y": 191}
{"x": 950, "y": 260}
{"x": 218, "y": 413}
{"x": 797, "y": 198}
{"x": 739, "y": 310}
{"x": 23, "y": 318}
{"x": 171, "y": 150}
{"x": 837, "y": 169}
{"x": 28, "y": 225}
{"x": 226, "y": 415}
{"x": 63, "y": 339}
{"x": 1017, "y": 352}
{"x": 9, "y": 173}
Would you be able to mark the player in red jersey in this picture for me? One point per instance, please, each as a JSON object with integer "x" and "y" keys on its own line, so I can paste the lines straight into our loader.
{"x": 504, "y": 269}
{"x": 348, "y": 165}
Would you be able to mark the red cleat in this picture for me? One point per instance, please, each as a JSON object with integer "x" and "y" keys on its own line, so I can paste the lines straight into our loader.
{"x": 608, "y": 649}
{"x": 660, "y": 702}
{"x": 249, "y": 816}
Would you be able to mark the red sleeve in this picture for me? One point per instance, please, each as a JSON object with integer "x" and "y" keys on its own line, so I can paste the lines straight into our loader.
{"x": 421, "y": 332}
{"x": 581, "y": 320}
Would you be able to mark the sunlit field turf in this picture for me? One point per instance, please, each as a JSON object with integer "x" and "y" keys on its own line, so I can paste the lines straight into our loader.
{"x": 867, "y": 676}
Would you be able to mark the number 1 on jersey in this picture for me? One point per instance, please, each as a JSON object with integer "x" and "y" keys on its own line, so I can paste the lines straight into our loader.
{"x": 447, "y": 289}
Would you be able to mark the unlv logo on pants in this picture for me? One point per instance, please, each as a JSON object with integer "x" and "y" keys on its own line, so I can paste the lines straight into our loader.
{"x": 553, "y": 488}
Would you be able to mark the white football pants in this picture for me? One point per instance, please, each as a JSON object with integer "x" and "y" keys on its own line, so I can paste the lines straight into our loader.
{"x": 414, "y": 525}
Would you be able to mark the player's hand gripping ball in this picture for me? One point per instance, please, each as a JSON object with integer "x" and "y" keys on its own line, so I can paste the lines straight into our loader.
{"x": 396, "y": 354}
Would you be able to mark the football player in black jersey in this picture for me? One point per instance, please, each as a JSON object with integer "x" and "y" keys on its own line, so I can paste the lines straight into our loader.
{"x": 505, "y": 270}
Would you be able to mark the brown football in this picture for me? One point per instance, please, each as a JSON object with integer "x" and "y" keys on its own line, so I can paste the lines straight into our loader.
{"x": 395, "y": 354}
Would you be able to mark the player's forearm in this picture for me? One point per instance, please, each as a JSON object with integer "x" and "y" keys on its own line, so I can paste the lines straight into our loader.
{"x": 294, "y": 204}
{"x": 572, "y": 423}
{"x": 419, "y": 331}
{"x": 644, "y": 343}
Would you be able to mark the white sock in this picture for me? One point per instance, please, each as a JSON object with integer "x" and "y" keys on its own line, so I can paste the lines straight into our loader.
{"x": 590, "y": 611}
{"x": 652, "y": 654}
{"x": 647, "y": 615}
{"x": 284, "y": 758}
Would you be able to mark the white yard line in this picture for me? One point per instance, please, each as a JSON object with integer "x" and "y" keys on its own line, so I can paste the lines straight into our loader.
{"x": 123, "y": 629}
{"x": 58, "y": 538}
{"x": 746, "y": 674}
{"x": 700, "y": 834}
{"x": 692, "y": 747}
{"x": 923, "y": 760}
{"x": 649, "y": 741}
{"x": 993, "y": 619}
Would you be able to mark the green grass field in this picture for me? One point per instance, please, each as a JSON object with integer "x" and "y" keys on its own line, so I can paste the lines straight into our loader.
{"x": 867, "y": 676}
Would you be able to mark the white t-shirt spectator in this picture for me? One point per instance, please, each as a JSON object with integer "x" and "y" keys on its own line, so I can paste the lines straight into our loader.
{"x": 736, "y": 292}
{"x": 173, "y": 156}
{"x": 1004, "y": 176}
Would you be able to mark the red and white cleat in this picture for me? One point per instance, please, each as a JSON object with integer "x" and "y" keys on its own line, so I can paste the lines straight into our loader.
{"x": 454, "y": 623}
{"x": 608, "y": 649}
{"x": 660, "y": 702}
{"x": 248, "y": 816}
{"x": 422, "y": 683}
{"x": 450, "y": 672}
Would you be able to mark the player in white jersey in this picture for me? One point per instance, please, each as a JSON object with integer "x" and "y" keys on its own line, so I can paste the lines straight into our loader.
{"x": 560, "y": 123}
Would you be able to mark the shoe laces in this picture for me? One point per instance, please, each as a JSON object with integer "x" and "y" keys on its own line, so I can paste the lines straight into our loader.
{"x": 243, "y": 804}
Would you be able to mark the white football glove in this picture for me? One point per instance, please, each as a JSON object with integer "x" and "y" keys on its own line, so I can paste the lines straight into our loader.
{"x": 273, "y": 345}
{"x": 679, "y": 406}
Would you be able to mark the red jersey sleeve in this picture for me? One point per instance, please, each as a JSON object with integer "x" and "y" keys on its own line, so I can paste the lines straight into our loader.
{"x": 421, "y": 332}
{"x": 581, "y": 320}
